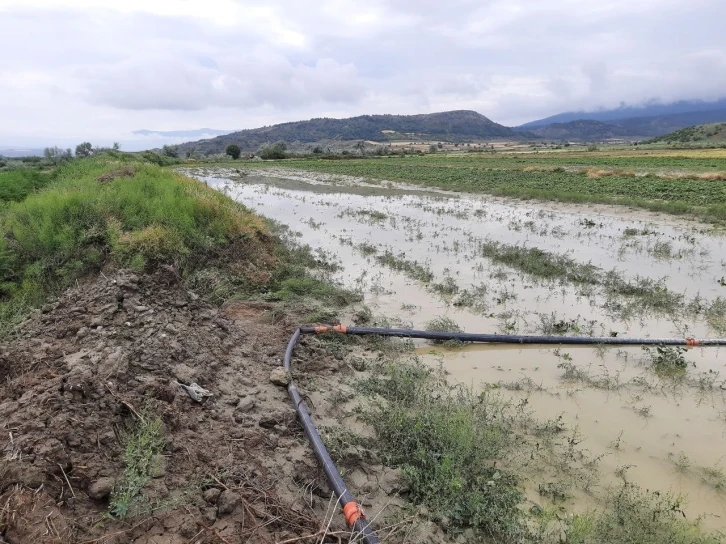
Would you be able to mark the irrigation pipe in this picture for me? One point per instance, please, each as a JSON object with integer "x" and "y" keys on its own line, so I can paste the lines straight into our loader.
{"x": 354, "y": 515}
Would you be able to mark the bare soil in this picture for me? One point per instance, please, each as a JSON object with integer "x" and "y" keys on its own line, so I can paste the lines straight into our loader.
{"x": 78, "y": 374}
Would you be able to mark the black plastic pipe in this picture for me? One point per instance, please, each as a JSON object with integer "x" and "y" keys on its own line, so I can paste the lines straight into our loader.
{"x": 353, "y": 513}
{"x": 360, "y": 526}
{"x": 514, "y": 339}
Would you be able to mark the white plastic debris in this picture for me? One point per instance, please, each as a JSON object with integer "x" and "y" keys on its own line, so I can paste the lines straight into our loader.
{"x": 195, "y": 391}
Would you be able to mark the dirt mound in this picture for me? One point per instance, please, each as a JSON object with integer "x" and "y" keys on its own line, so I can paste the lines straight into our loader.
{"x": 125, "y": 172}
{"x": 107, "y": 357}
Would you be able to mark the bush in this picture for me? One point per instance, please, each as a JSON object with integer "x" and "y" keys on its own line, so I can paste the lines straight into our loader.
{"x": 233, "y": 151}
{"x": 272, "y": 151}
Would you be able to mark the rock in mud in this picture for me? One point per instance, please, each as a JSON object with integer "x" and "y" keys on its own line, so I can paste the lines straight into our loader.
{"x": 101, "y": 488}
{"x": 158, "y": 466}
{"x": 246, "y": 405}
{"x": 280, "y": 376}
{"x": 210, "y": 515}
{"x": 227, "y": 502}
{"x": 211, "y": 495}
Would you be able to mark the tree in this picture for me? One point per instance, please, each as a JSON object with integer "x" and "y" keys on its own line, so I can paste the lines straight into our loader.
{"x": 170, "y": 151}
{"x": 433, "y": 148}
{"x": 233, "y": 151}
{"x": 56, "y": 155}
{"x": 272, "y": 151}
{"x": 84, "y": 150}
{"x": 116, "y": 146}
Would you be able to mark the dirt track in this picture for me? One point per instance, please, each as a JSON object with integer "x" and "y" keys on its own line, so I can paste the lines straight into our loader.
{"x": 79, "y": 374}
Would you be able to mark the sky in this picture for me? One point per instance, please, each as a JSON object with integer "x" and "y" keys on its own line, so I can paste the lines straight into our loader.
{"x": 75, "y": 70}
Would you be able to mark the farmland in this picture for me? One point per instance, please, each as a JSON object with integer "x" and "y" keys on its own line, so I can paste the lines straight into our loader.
{"x": 609, "y": 443}
{"x": 689, "y": 182}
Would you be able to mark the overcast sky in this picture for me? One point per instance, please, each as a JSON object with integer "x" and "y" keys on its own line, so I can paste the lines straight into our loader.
{"x": 96, "y": 69}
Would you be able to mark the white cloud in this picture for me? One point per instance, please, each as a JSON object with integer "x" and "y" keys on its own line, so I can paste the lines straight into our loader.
{"x": 86, "y": 69}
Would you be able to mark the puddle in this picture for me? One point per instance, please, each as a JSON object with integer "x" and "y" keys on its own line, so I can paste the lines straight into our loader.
{"x": 644, "y": 428}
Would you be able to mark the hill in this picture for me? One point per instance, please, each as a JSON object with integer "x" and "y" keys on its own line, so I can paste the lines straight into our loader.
{"x": 714, "y": 132}
{"x": 451, "y": 125}
{"x": 633, "y": 127}
{"x": 651, "y": 109}
{"x": 581, "y": 129}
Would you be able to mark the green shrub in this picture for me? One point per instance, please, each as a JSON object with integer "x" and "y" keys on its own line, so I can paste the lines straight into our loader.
{"x": 17, "y": 184}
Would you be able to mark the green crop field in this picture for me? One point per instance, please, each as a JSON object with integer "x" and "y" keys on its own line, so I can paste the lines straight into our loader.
{"x": 680, "y": 182}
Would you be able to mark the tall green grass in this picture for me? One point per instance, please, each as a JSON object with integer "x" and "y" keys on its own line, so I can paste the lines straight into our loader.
{"x": 95, "y": 213}
{"x": 15, "y": 185}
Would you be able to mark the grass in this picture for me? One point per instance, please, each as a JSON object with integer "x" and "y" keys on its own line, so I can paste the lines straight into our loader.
{"x": 141, "y": 445}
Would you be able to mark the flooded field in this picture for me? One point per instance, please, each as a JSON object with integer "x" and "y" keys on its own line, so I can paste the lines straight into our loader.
{"x": 653, "y": 417}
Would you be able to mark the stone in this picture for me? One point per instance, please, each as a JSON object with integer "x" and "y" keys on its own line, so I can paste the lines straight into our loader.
{"x": 158, "y": 466}
{"x": 270, "y": 419}
{"x": 280, "y": 376}
{"x": 246, "y": 405}
{"x": 184, "y": 374}
{"x": 211, "y": 495}
{"x": 101, "y": 488}
{"x": 209, "y": 515}
{"x": 189, "y": 529}
{"x": 227, "y": 502}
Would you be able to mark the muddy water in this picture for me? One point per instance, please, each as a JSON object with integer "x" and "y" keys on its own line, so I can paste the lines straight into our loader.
{"x": 663, "y": 434}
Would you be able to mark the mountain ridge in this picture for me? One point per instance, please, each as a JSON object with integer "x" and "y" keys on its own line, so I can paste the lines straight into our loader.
{"x": 650, "y": 109}
{"x": 454, "y": 125}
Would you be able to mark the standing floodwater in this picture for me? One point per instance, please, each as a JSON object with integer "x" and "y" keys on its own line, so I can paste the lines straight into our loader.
{"x": 655, "y": 417}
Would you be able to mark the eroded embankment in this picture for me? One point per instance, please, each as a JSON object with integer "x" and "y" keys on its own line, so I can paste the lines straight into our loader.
{"x": 99, "y": 442}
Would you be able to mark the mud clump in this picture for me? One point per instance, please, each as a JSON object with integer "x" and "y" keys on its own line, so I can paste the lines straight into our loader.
{"x": 84, "y": 373}
{"x": 125, "y": 172}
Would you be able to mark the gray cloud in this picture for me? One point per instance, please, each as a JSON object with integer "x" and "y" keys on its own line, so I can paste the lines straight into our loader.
{"x": 87, "y": 69}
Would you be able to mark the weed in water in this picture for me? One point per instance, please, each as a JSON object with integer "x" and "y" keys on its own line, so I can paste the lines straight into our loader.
{"x": 633, "y": 515}
{"x": 444, "y": 324}
{"x": 714, "y": 477}
{"x": 668, "y": 361}
{"x": 682, "y": 462}
{"x": 412, "y": 269}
